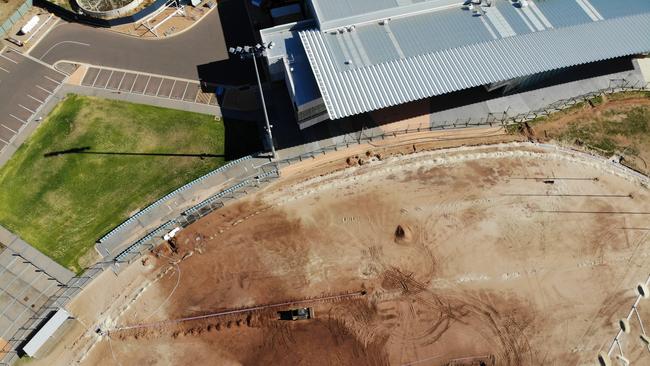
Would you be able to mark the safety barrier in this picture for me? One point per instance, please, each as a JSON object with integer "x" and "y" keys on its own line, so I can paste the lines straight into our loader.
{"x": 131, "y": 220}
{"x": 490, "y": 120}
{"x": 191, "y": 215}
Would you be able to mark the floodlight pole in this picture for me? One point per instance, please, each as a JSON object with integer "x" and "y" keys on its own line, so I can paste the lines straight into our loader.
{"x": 266, "y": 115}
{"x": 254, "y": 52}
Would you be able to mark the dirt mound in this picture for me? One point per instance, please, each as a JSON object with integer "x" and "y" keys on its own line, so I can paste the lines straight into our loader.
{"x": 403, "y": 234}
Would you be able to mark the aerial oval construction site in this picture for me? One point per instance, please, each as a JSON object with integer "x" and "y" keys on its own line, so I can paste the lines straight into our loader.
{"x": 391, "y": 254}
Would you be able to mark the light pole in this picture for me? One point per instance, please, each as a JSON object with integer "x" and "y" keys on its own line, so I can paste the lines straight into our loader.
{"x": 254, "y": 52}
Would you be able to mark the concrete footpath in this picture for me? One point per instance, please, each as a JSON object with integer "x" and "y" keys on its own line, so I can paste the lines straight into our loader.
{"x": 141, "y": 99}
{"x": 40, "y": 260}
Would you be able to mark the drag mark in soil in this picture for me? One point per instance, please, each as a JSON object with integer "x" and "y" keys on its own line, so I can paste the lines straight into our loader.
{"x": 339, "y": 297}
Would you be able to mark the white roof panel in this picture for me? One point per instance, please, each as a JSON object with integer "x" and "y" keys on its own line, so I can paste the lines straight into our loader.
{"x": 47, "y": 331}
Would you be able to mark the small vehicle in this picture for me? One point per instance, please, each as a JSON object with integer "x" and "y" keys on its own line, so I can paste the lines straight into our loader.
{"x": 297, "y": 314}
{"x": 15, "y": 41}
{"x": 172, "y": 233}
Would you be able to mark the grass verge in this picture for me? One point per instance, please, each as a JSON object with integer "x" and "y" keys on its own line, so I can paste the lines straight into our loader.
{"x": 93, "y": 162}
{"x": 614, "y": 124}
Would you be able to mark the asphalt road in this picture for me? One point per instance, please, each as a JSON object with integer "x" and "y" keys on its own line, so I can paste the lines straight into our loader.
{"x": 24, "y": 86}
{"x": 178, "y": 56}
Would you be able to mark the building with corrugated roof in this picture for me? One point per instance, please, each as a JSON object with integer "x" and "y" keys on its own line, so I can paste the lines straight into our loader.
{"x": 358, "y": 56}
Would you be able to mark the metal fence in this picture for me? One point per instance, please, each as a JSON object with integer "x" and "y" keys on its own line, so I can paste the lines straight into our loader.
{"x": 131, "y": 220}
{"x": 15, "y": 18}
{"x": 492, "y": 119}
{"x": 194, "y": 213}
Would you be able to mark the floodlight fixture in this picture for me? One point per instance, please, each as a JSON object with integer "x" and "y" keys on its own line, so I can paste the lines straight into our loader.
{"x": 624, "y": 324}
{"x": 642, "y": 290}
{"x": 604, "y": 360}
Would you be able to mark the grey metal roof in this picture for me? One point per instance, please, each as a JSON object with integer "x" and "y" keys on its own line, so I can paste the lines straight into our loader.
{"x": 331, "y": 14}
{"x": 434, "y": 52}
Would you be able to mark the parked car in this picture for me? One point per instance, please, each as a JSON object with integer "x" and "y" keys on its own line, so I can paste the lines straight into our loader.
{"x": 15, "y": 41}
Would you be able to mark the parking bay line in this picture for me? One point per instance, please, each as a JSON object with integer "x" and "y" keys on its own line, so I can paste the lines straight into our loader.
{"x": 23, "y": 121}
{"x": 52, "y": 80}
{"x": 43, "y": 89}
{"x": 10, "y": 129}
{"x": 36, "y": 99}
{"x": 20, "y": 105}
{"x": 5, "y": 70}
{"x": 7, "y": 58}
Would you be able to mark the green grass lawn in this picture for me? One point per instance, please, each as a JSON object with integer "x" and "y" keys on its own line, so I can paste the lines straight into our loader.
{"x": 61, "y": 203}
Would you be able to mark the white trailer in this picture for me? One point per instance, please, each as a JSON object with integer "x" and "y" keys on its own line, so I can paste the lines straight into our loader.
{"x": 30, "y": 25}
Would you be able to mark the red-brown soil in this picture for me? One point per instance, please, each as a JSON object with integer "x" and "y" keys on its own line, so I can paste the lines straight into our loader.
{"x": 465, "y": 256}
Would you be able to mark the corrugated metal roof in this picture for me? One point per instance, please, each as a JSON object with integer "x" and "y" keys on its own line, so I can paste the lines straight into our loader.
{"x": 331, "y": 14}
{"x": 426, "y": 68}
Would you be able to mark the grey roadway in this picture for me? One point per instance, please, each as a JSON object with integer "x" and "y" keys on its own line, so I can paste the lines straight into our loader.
{"x": 178, "y": 56}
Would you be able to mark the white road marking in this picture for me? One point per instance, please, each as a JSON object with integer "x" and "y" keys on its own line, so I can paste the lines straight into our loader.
{"x": 20, "y": 105}
{"x": 36, "y": 99}
{"x": 109, "y": 79}
{"x": 5, "y": 70}
{"x": 43, "y": 89}
{"x": 7, "y": 58}
{"x": 10, "y": 129}
{"x": 21, "y": 120}
{"x": 133, "y": 85}
{"x": 6, "y": 142}
{"x": 52, "y": 80}
{"x": 99, "y": 71}
{"x": 185, "y": 91}
{"x": 121, "y": 80}
{"x": 144, "y": 91}
{"x": 172, "y": 90}
{"x": 159, "y": 85}
{"x": 60, "y": 43}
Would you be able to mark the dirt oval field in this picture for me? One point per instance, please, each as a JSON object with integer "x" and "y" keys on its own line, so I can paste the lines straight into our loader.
{"x": 514, "y": 254}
